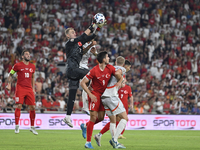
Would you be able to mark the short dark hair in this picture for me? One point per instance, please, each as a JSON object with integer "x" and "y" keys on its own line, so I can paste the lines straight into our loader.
{"x": 127, "y": 62}
{"x": 101, "y": 56}
{"x": 26, "y": 50}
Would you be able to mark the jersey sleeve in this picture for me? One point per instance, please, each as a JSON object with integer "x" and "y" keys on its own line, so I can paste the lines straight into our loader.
{"x": 15, "y": 67}
{"x": 85, "y": 38}
{"x": 90, "y": 75}
{"x": 129, "y": 91}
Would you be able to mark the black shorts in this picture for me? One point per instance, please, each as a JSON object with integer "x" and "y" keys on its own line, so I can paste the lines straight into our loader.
{"x": 74, "y": 75}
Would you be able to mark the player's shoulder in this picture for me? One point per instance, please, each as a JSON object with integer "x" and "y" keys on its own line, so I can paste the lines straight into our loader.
{"x": 110, "y": 66}
{"x": 70, "y": 41}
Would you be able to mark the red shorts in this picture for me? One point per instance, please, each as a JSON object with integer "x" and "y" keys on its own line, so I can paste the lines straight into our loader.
{"x": 96, "y": 106}
{"x": 24, "y": 95}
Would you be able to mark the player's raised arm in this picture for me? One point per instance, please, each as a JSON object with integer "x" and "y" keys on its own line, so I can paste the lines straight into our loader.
{"x": 9, "y": 80}
{"x": 92, "y": 43}
{"x": 84, "y": 86}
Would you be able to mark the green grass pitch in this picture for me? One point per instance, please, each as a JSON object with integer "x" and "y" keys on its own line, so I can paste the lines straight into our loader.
{"x": 72, "y": 140}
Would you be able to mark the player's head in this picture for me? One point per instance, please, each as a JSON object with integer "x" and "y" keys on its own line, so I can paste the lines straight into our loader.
{"x": 127, "y": 65}
{"x": 120, "y": 61}
{"x": 26, "y": 55}
{"x": 70, "y": 33}
{"x": 102, "y": 57}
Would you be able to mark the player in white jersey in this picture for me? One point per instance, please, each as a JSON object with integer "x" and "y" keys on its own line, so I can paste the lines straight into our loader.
{"x": 84, "y": 64}
{"x": 114, "y": 106}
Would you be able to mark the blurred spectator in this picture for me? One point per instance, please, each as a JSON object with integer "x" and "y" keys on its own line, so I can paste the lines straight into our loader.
{"x": 161, "y": 40}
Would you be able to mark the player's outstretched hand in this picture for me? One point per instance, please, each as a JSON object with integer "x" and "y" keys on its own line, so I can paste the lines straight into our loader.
{"x": 102, "y": 24}
{"x": 93, "y": 98}
{"x": 8, "y": 87}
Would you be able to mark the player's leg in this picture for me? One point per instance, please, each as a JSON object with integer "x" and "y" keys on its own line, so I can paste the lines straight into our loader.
{"x": 30, "y": 101}
{"x": 122, "y": 124}
{"x": 85, "y": 102}
{"x": 118, "y": 120}
{"x": 116, "y": 107}
{"x": 74, "y": 76}
{"x": 90, "y": 126}
{"x": 19, "y": 100}
{"x": 17, "y": 117}
{"x": 73, "y": 86}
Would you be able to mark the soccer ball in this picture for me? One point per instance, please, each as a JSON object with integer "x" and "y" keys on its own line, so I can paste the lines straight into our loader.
{"x": 99, "y": 18}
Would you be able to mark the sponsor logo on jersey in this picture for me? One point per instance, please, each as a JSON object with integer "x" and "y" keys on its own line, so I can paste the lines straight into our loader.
{"x": 31, "y": 70}
{"x": 22, "y": 69}
{"x": 26, "y": 68}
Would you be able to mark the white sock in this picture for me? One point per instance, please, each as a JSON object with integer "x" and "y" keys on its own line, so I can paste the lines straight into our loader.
{"x": 112, "y": 129}
{"x": 120, "y": 127}
{"x": 99, "y": 134}
{"x": 68, "y": 116}
{"x": 85, "y": 126}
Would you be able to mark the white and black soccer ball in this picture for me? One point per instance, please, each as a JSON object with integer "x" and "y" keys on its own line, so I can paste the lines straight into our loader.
{"x": 99, "y": 18}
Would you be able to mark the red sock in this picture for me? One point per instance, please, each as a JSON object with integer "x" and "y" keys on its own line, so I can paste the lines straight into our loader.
{"x": 97, "y": 121}
{"x": 90, "y": 127}
{"x": 17, "y": 115}
{"x": 122, "y": 132}
{"x": 117, "y": 123}
{"x": 32, "y": 117}
{"x": 105, "y": 128}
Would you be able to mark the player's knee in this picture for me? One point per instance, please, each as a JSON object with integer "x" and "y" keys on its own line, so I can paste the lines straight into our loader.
{"x": 19, "y": 106}
{"x": 32, "y": 107}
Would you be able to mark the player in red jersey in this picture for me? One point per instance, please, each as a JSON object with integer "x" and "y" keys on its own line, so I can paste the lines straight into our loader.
{"x": 24, "y": 89}
{"x": 100, "y": 76}
{"x": 124, "y": 93}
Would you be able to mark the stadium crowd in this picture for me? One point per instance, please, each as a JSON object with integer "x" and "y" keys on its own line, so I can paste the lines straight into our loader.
{"x": 161, "y": 39}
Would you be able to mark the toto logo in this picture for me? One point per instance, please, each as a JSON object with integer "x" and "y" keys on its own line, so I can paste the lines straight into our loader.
{"x": 169, "y": 122}
{"x": 58, "y": 121}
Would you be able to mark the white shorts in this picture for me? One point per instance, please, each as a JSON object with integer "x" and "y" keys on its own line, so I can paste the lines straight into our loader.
{"x": 113, "y": 105}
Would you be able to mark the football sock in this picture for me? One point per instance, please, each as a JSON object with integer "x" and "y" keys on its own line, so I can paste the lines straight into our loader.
{"x": 112, "y": 129}
{"x": 105, "y": 128}
{"x": 32, "y": 117}
{"x": 70, "y": 103}
{"x": 120, "y": 127}
{"x": 17, "y": 115}
{"x": 97, "y": 121}
{"x": 90, "y": 127}
{"x": 122, "y": 132}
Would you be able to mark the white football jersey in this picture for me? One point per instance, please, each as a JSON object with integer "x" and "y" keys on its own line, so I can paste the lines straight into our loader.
{"x": 111, "y": 89}
{"x": 84, "y": 60}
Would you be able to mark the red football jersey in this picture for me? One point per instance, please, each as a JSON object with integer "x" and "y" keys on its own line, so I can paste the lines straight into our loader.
{"x": 24, "y": 73}
{"x": 124, "y": 93}
{"x": 100, "y": 78}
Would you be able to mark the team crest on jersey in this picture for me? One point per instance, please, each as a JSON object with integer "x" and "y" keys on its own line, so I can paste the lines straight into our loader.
{"x": 79, "y": 44}
{"x": 31, "y": 70}
{"x": 107, "y": 75}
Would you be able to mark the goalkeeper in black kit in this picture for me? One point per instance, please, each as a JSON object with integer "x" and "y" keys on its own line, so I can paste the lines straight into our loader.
{"x": 74, "y": 51}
